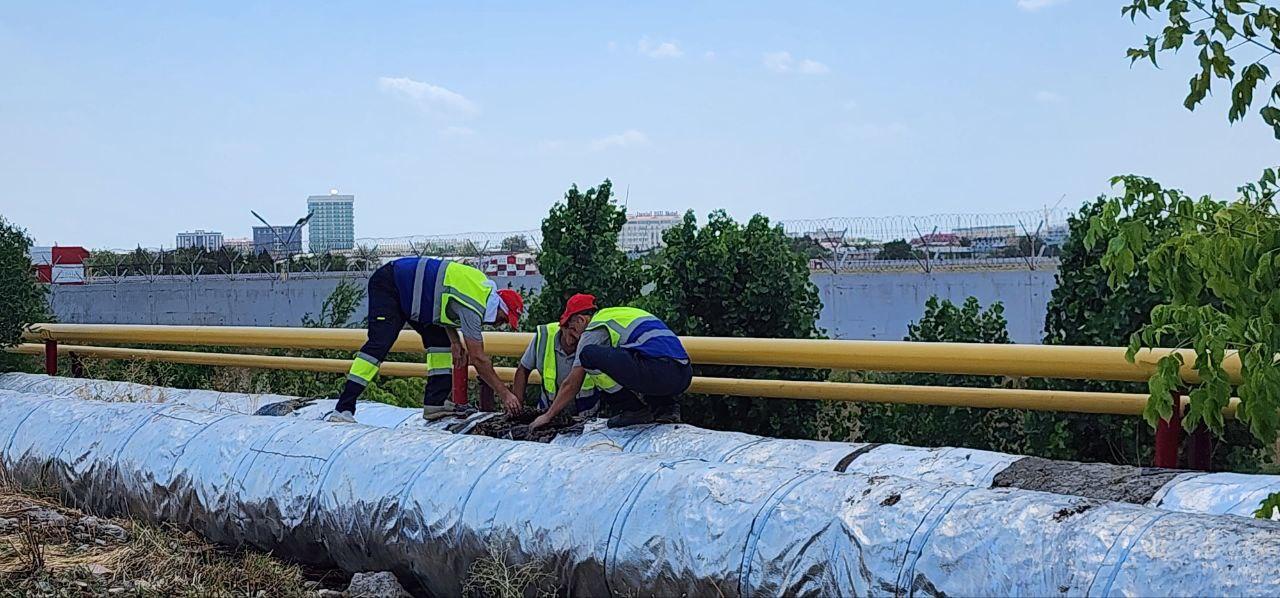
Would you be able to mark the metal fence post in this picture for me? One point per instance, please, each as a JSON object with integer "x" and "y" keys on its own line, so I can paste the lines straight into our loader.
{"x": 486, "y": 397}
{"x": 460, "y": 383}
{"x": 1169, "y": 435}
{"x": 51, "y": 357}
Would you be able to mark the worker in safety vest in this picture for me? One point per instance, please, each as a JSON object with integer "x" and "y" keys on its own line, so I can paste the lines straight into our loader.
{"x": 552, "y": 353}
{"x": 438, "y": 299}
{"x": 636, "y": 359}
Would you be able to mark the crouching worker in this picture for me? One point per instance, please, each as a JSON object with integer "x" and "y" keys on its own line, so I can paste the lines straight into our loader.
{"x": 636, "y": 359}
{"x": 552, "y": 353}
{"x": 438, "y": 299}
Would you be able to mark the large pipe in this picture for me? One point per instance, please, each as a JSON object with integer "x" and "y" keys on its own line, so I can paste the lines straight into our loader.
{"x": 1193, "y": 492}
{"x": 427, "y": 506}
{"x": 1038, "y": 361}
{"x": 946, "y": 396}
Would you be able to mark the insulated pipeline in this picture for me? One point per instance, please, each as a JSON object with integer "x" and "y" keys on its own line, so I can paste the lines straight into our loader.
{"x": 427, "y": 506}
{"x": 1193, "y": 492}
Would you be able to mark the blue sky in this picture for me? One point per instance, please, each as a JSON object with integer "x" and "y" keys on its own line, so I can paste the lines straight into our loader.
{"x": 125, "y": 124}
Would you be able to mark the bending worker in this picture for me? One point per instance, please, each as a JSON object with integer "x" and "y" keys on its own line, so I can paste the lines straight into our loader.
{"x": 438, "y": 299}
{"x": 551, "y": 354}
{"x": 636, "y": 359}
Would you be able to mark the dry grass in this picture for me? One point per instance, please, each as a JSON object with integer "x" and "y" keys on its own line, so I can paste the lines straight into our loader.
{"x": 50, "y": 549}
{"x": 493, "y": 576}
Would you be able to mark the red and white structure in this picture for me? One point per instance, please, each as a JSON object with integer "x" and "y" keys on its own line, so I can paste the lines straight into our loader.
{"x": 514, "y": 264}
{"x": 59, "y": 265}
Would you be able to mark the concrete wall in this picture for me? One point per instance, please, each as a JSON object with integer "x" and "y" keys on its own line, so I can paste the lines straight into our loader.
{"x": 855, "y": 305}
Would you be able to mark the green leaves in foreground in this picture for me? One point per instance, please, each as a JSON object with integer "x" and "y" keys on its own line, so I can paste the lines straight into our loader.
{"x": 1219, "y": 269}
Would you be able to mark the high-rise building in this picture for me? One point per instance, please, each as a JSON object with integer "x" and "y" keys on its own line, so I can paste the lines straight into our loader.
{"x": 332, "y": 225}
{"x": 643, "y": 230}
{"x": 277, "y": 240}
{"x": 204, "y": 239}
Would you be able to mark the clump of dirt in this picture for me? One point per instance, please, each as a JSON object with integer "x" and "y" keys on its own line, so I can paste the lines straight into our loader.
{"x": 891, "y": 500}
{"x": 1069, "y": 511}
{"x": 515, "y": 426}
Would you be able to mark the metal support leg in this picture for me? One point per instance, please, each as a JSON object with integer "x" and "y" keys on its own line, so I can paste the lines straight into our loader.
{"x": 1169, "y": 435}
{"x": 486, "y": 397}
{"x": 51, "y": 357}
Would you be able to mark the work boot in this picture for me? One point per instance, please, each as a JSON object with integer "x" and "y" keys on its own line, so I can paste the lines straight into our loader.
{"x": 341, "y": 417}
{"x": 634, "y": 417}
{"x": 667, "y": 414}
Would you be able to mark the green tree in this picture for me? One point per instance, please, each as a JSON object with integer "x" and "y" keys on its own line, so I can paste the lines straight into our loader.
{"x": 580, "y": 254}
{"x": 515, "y": 244}
{"x": 1005, "y": 430}
{"x": 898, "y": 249}
{"x": 730, "y": 279}
{"x": 1224, "y": 31}
{"x": 23, "y": 300}
{"x": 1225, "y": 251}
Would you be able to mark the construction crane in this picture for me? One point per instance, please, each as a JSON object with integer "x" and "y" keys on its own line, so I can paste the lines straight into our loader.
{"x": 282, "y": 245}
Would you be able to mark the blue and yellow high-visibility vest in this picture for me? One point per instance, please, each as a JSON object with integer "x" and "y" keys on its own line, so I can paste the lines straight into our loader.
{"x": 637, "y": 330}
{"x": 427, "y": 287}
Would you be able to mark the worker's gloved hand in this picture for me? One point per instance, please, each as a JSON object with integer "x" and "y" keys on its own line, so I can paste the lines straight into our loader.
{"x": 341, "y": 417}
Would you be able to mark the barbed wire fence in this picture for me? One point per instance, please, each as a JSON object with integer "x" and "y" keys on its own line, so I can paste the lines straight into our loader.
{"x": 1010, "y": 240}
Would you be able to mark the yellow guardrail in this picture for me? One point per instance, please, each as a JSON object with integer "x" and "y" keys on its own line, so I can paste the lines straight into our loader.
{"x": 1043, "y": 400}
{"x": 1035, "y": 361}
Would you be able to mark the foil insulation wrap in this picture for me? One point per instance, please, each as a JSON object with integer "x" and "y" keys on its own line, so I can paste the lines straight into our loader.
{"x": 428, "y": 506}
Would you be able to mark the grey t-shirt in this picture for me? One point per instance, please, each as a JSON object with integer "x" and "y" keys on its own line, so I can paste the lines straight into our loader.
{"x": 564, "y": 364}
{"x": 469, "y": 324}
{"x": 598, "y": 336}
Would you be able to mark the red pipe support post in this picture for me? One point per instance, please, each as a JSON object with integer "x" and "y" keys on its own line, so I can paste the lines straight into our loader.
{"x": 1169, "y": 435}
{"x": 51, "y": 357}
{"x": 1201, "y": 449}
{"x": 460, "y": 383}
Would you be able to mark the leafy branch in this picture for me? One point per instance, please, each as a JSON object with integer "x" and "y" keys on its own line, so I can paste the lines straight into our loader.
{"x": 1253, "y": 23}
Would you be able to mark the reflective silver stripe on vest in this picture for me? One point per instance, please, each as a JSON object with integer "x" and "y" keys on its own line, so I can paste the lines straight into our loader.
{"x": 540, "y": 345}
{"x": 646, "y": 337}
{"x": 357, "y": 380}
{"x": 415, "y": 311}
{"x": 436, "y": 287}
{"x": 624, "y": 332}
{"x": 472, "y": 303}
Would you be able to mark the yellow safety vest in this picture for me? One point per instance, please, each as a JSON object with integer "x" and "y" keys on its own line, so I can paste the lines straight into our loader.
{"x": 545, "y": 340}
{"x": 618, "y": 321}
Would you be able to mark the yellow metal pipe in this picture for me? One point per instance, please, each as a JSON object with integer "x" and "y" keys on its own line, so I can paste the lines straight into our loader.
{"x": 1040, "y": 400}
{"x": 1047, "y": 361}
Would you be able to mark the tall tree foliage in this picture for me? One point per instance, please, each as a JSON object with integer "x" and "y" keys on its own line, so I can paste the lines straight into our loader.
{"x": 1228, "y": 33}
{"x": 580, "y": 254}
{"x": 22, "y": 298}
{"x": 1005, "y": 430}
{"x": 731, "y": 279}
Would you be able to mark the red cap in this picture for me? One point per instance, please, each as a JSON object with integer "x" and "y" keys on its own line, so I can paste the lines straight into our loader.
{"x": 576, "y": 305}
{"x": 514, "y": 306}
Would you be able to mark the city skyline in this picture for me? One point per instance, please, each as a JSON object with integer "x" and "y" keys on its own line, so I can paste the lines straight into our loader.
{"x": 996, "y": 106}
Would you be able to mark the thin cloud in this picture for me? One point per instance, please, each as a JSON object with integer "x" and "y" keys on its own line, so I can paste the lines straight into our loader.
{"x": 708, "y": 55}
{"x": 628, "y": 138}
{"x": 813, "y": 67}
{"x": 784, "y": 62}
{"x": 428, "y": 97}
{"x": 1048, "y": 97}
{"x": 655, "y": 49}
{"x": 1034, "y": 5}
